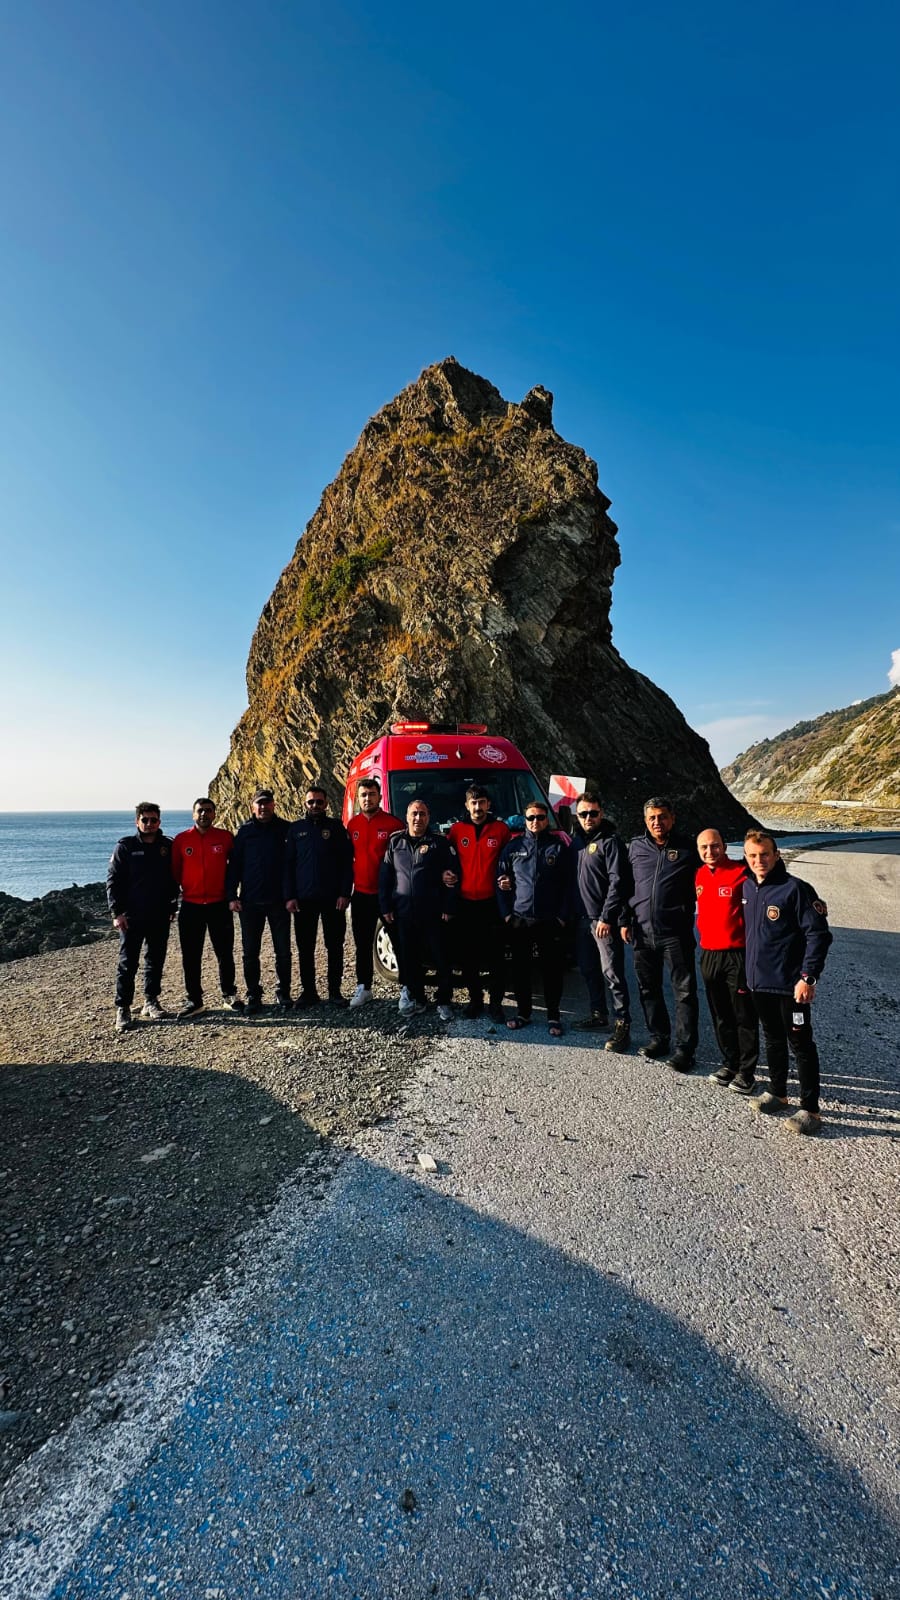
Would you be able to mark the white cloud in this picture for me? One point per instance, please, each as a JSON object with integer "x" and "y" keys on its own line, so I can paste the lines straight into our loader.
{"x": 727, "y": 736}
{"x": 894, "y": 673}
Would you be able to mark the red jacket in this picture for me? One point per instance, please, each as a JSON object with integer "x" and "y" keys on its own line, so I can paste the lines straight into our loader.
{"x": 198, "y": 864}
{"x": 479, "y": 851}
{"x": 720, "y": 914}
{"x": 369, "y": 837}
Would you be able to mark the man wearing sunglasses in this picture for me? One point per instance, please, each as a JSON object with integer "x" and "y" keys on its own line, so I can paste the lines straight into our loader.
{"x": 253, "y": 887}
{"x": 536, "y": 896}
{"x": 142, "y": 897}
{"x": 604, "y": 884}
{"x": 318, "y": 882}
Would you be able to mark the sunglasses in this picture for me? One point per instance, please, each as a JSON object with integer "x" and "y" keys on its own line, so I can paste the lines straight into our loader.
{"x": 588, "y": 814}
{"x": 311, "y": 803}
{"x": 538, "y": 816}
{"x": 148, "y": 818}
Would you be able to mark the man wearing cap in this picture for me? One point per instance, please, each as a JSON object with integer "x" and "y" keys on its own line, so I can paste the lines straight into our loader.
{"x": 199, "y": 862}
{"x": 318, "y": 882}
{"x": 253, "y": 887}
{"x": 142, "y": 899}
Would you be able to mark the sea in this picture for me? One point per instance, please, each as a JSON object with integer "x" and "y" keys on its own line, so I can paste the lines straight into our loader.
{"x": 43, "y": 850}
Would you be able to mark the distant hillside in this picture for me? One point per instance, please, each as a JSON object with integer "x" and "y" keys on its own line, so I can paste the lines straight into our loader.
{"x": 843, "y": 756}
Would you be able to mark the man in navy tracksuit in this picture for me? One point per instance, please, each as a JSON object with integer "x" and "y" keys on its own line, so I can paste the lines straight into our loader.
{"x": 143, "y": 898}
{"x": 661, "y": 927}
{"x": 537, "y": 896}
{"x": 788, "y": 937}
{"x": 603, "y": 878}
{"x": 417, "y": 892}
{"x": 254, "y": 887}
{"x": 318, "y": 882}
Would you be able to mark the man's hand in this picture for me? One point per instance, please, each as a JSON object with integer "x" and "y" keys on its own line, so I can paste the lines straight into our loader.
{"x": 388, "y": 917}
{"x": 626, "y": 935}
{"x": 504, "y": 882}
{"x": 292, "y": 905}
{"x": 450, "y": 880}
{"x": 445, "y": 916}
{"x": 234, "y": 905}
{"x": 804, "y": 993}
{"x": 120, "y": 922}
{"x": 603, "y": 929}
{"x": 343, "y": 901}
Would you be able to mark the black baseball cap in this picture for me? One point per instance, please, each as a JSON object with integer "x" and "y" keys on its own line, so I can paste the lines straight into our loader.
{"x": 263, "y": 794}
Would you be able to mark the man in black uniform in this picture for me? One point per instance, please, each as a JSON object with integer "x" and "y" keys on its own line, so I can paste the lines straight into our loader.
{"x": 661, "y": 928}
{"x": 143, "y": 898}
{"x": 603, "y": 880}
{"x": 318, "y": 882}
{"x": 253, "y": 887}
{"x": 536, "y": 896}
{"x": 417, "y": 889}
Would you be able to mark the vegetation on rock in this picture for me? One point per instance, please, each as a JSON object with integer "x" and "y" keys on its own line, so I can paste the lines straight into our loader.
{"x": 848, "y": 755}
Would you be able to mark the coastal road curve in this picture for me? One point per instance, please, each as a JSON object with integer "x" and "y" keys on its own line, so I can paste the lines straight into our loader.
{"x": 628, "y": 1340}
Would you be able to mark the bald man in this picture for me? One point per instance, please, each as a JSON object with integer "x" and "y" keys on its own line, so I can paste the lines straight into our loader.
{"x": 720, "y": 929}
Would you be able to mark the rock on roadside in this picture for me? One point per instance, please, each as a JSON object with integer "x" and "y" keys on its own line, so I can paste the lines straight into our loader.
{"x": 62, "y": 917}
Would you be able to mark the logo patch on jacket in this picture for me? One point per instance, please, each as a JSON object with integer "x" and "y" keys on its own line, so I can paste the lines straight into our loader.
{"x": 551, "y": 857}
{"x": 672, "y": 855}
{"x": 164, "y": 851}
{"x": 821, "y": 907}
{"x": 773, "y": 913}
{"x": 382, "y": 834}
{"x": 355, "y": 835}
{"x": 189, "y": 849}
{"x": 699, "y": 888}
{"x": 326, "y": 833}
{"x": 491, "y": 843}
{"x": 724, "y": 894}
{"x": 464, "y": 842}
{"x": 592, "y": 849}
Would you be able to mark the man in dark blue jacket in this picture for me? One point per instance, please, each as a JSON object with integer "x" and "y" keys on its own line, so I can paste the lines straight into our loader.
{"x": 254, "y": 887}
{"x": 536, "y": 895}
{"x": 603, "y": 878}
{"x": 787, "y": 933}
{"x": 143, "y": 898}
{"x": 318, "y": 882}
{"x": 417, "y": 891}
{"x": 661, "y": 927}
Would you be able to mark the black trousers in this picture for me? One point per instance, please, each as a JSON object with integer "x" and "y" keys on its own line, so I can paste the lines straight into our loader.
{"x": 306, "y": 929}
{"x": 155, "y": 936}
{"x": 364, "y": 921}
{"x": 587, "y": 954}
{"x": 612, "y": 964}
{"x": 421, "y": 942}
{"x": 194, "y": 922}
{"x": 480, "y": 936}
{"x": 732, "y": 1008}
{"x": 654, "y": 954}
{"x": 253, "y": 922}
{"x": 547, "y": 939}
{"x": 787, "y": 1025}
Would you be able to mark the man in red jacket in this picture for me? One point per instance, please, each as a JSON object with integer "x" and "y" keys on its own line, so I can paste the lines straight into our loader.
{"x": 369, "y": 830}
{"x": 199, "y": 858}
{"x": 478, "y": 841}
{"x": 720, "y": 928}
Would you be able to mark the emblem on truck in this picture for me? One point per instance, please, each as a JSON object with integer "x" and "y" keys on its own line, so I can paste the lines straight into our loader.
{"x": 489, "y": 752}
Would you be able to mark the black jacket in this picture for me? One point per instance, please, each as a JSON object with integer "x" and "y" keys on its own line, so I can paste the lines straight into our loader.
{"x": 542, "y": 869}
{"x": 410, "y": 882}
{"x": 664, "y": 896}
{"x": 602, "y": 871}
{"x": 256, "y": 864}
{"x": 139, "y": 879}
{"x": 787, "y": 931}
{"x": 318, "y": 860}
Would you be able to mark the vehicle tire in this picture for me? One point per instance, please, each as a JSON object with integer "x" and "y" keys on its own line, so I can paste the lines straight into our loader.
{"x": 384, "y": 955}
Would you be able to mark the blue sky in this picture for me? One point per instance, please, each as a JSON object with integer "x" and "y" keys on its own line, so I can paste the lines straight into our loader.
{"x": 232, "y": 232}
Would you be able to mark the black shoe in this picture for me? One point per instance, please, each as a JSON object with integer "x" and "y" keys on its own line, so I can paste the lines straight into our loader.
{"x": 192, "y": 1008}
{"x": 232, "y": 1002}
{"x": 597, "y": 1022}
{"x": 743, "y": 1083}
{"x": 655, "y": 1048}
{"x": 254, "y": 1005}
{"x": 304, "y": 1001}
{"x": 473, "y": 1009}
{"x": 282, "y": 1005}
{"x": 620, "y": 1038}
{"x": 682, "y": 1061}
{"x": 723, "y": 1076}
{"x": 496, "y": 1011}
{"x": 337, "y": 1002}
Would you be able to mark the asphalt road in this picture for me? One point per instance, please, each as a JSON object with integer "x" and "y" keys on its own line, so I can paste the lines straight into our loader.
{"x": 627, "y": 1341}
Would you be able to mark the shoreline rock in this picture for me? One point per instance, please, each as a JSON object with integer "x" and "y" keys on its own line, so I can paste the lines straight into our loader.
{"x": 52, "y": 921}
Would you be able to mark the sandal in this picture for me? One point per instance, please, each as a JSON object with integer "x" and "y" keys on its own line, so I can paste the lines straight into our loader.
{"x": 555, "y": 1029}
{"x": 515, "y": 1023}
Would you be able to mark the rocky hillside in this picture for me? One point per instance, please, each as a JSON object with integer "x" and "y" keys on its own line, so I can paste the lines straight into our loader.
{"x": 460, "y": 568}
{"x": 62, "y": 917}
{"x": 843, "y": 756}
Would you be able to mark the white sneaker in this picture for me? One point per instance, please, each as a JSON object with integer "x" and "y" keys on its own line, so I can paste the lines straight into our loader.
{"x": 360, "y": 995}
{"x": 445, "y": 1013}
{"x": 407, "y": 1003}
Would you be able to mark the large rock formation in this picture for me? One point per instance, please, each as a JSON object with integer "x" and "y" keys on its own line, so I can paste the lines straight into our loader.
{"x": 848, "y": 760}
{"x": 460, "y": 567}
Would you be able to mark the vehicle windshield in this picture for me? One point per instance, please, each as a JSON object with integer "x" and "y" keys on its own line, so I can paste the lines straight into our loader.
{"x": 445, "y": 794}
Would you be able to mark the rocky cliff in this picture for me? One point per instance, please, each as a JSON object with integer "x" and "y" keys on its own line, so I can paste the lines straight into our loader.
{"x": 843, "y": 758}
{"x": 459, "y": 568}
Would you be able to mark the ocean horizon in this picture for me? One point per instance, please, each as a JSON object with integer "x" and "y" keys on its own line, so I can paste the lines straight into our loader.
{"x": 44, "y": 850}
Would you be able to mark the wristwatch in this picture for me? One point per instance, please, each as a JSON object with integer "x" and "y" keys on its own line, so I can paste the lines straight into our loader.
{"x": 811, "y": 981}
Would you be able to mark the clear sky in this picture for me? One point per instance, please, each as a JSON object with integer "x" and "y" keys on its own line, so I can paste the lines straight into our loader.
{"x": 232, "y": 231}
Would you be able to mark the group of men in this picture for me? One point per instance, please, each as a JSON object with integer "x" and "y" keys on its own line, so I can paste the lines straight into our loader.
{"x": 470, "y": 895}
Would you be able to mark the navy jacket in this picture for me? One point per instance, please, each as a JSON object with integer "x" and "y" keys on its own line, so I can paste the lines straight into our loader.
{"x": 318, "y": 860}
{"x": 410, "y": 881}
{"x": 139, "y": 879}
{"x": 602, "y": 872}
{"x": 787, "y": 931}
{"x": 256, "y": 865}
{"x": 542, "y": 867}
{"x": 663, "y": 897}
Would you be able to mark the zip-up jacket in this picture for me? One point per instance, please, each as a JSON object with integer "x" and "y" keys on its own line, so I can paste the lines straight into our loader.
{"x": 139, "y": 879}
{"x": 318, "y": 860}
{"x": 720, "y": 909}
{"x": 602, "y": 873}
{"x": 542, "y": 869}
{"x": 199, "y": 862}
{"x": 369, "y": 835}
{"x": 255, "y": 869}
{"x": 787, "y": 931}
{"x": 411, "y": 881}
{"x": 478, "y": 845}
{"x": 663, "y": 898}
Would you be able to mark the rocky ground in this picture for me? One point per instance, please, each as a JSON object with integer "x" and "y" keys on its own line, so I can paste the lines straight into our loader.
{"x": 131, "y": 1165}
{"x": 53, "y": 921}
